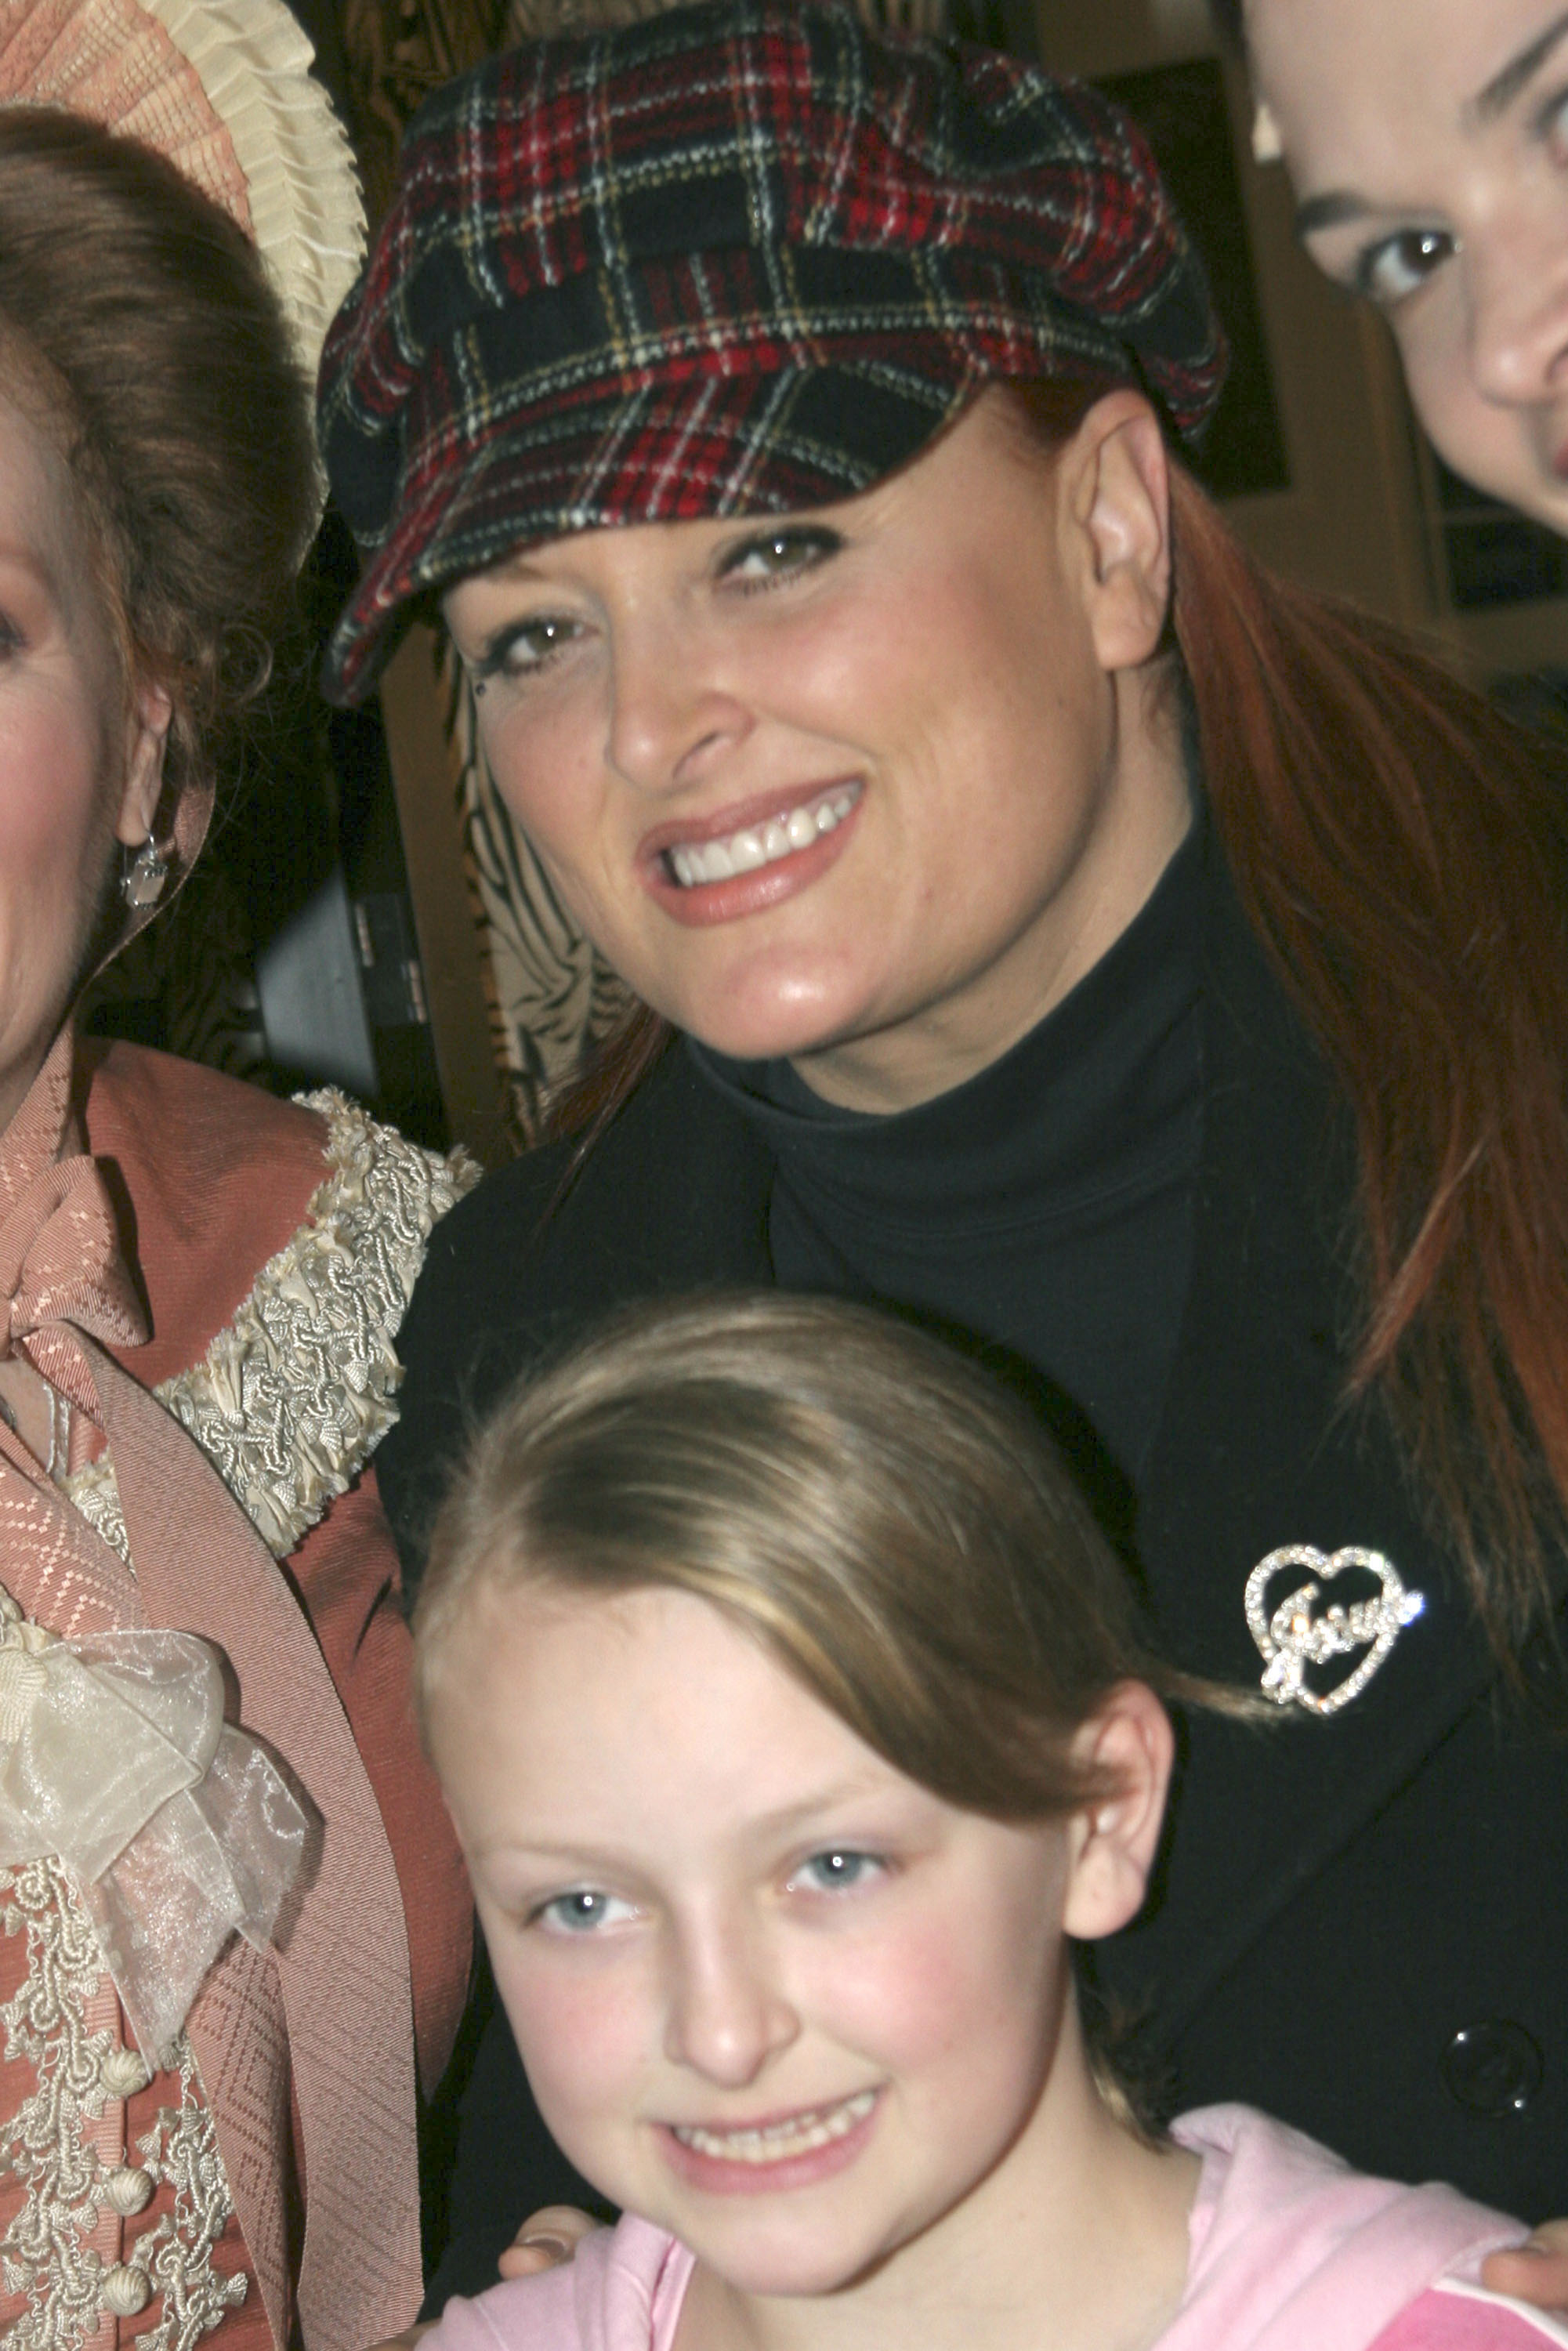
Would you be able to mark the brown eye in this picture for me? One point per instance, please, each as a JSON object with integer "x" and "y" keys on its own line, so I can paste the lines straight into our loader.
{"x": 779, "y": 555}
{"x": 1399, "y": 266}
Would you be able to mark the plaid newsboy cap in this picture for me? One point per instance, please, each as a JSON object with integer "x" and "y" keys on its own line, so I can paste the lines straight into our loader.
{"x": 744, "y": 257}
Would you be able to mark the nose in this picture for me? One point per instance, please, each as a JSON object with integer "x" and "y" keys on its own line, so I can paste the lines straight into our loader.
{"x": 672, "y": 716}
{"x": 1518, "y": 272}
{"x": 728, "y": 2015}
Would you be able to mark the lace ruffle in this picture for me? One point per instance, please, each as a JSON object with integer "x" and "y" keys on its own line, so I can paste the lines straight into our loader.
{"x": 288, "y": 1404}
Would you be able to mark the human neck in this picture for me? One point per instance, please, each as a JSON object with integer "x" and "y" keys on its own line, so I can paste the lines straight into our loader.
{"x": 1078, "y": 2238}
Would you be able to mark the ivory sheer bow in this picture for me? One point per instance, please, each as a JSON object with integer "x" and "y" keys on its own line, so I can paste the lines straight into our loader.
{"x": 177, "y": 1829}
{"x": 326, "y": 2020}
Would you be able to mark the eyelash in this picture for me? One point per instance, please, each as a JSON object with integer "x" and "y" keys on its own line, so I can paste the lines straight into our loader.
{"x": 497, "y": 659}
{"x": 872, "y": 1861}
{"x": 805, "y": 545}
{"x": 550, "y": 1915}
{"x": 1367, "y": 264}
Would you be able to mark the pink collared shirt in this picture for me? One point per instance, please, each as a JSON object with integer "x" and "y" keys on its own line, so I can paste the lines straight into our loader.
{"x": 1290, "y": 2251}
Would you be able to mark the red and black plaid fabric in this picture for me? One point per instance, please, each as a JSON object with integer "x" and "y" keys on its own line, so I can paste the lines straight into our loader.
{"x": 739, "y": 258}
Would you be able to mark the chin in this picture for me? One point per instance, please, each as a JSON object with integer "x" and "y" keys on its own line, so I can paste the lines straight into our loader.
{"x": 785, "y": 2266}
{"x": 767, "y": 1033}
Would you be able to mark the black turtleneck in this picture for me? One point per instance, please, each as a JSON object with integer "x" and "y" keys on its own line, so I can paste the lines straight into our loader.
{"x": 1046, "y": 1203}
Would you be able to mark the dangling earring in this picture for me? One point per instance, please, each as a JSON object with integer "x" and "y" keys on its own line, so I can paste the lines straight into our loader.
{"x": 143, "y": 879}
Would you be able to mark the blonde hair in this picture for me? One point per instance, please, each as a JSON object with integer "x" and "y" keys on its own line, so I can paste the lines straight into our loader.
{"x": 893, "y": 1527}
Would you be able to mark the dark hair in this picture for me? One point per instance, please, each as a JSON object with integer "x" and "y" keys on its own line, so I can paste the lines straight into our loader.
{"x": 1229, "y": 23}
{"x": 874, "y": 1510}
{"x": 1401, "y": 849}
{"x": 136, "y": 318}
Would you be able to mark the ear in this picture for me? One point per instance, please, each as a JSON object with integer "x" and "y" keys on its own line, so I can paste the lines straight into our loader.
{"x": 1129, "y": 1742}
{"x": 146, "y": 739}
{"x": 1117, "y": 478}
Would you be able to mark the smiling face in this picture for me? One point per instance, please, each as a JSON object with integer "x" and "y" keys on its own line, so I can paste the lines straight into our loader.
{"x": 76, "y": 774}
{"x": 871, "y": 788}
{"x": 791, "y": 2006}
{"x": 1428, "y": 144}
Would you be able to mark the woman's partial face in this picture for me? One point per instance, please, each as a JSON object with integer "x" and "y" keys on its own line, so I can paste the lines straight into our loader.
{"x": 75, "y": 774}
{"x": 1428, "y": 145}
{"x": 871, "y": 786}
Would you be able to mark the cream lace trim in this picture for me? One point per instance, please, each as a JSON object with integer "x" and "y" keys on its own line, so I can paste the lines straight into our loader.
{"x": 290, "y": 1400}
{"x": 44, "y": 2253}
{"x": 286, "y": 1404}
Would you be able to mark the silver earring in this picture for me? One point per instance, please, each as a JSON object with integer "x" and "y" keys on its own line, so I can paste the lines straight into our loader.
{"x": 143, "y": 879}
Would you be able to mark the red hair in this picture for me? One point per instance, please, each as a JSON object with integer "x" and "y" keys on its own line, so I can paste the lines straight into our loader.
{"x": 1401, "y": 849}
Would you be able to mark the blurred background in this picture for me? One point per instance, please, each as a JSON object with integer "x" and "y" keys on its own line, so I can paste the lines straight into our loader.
{"x": 369, "y": 917}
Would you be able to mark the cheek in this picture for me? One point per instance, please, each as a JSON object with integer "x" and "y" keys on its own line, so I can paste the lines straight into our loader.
{"x": 927, "y": 1999}
{"x": 550, "y": 777}
{"x": 1486, "y": 443}
{"x": 56, "y": 821}
{"x": 581, "y": 2033}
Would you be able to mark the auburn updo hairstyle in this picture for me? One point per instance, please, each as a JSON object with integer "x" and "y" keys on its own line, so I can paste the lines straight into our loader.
{"x": 138, "y": 330}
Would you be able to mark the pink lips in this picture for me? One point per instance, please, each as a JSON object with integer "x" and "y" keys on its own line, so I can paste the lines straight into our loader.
{"x": 718, "y": 2174}
{"x": 708, "y": 902}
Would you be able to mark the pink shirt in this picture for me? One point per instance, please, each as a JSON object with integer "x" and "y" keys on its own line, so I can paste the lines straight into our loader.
{"x": 1291, "y": 2251}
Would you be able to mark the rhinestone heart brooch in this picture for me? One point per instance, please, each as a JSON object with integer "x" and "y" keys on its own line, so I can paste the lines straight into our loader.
{"x": 1291, "y": 1636}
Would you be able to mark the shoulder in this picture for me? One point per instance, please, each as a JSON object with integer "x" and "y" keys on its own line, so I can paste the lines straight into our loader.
{"x": 174, "y": 1124}
{"x": 1291, "y": 2245}
{"x": 673, "y": 1197}
{"x": 1453, "y": 2316}
{"x": 622, "y": 2291}
{"x": 278, "y": 1244}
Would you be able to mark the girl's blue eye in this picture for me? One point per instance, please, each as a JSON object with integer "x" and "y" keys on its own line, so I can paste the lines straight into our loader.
{"x": 837, "y": 1871}
{"x": 780, "y": 554}
{"x": 1398, "y": 266}
{"x": 584, "y": 1911}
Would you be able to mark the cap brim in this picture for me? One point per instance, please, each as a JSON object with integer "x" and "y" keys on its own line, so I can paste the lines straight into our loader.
{"x": 705, "y": 446}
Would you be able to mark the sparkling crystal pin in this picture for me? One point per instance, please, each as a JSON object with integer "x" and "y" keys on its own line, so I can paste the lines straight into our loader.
{"x": 1291, "y": 1636}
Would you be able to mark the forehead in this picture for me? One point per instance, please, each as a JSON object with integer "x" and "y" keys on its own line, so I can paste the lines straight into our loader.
{"x": 985, "y": 452}
{"x": 1345, "y": 75}
{"x": 560, "y": 1710}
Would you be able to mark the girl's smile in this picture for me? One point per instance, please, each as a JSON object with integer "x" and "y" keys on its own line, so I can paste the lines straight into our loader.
{"x": 771, "y": 1994}
{"x": 776, "y": 2152}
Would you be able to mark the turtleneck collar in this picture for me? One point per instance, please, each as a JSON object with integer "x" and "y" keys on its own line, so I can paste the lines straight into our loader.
{"x": 1046, "y": 1201}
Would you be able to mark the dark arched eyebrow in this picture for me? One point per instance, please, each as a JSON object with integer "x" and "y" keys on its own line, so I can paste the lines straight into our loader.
{"x": 1505, "y": 86}
{"x": 1337, "y": 206}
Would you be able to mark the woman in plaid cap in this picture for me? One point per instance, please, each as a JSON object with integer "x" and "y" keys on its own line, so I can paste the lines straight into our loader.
{"x": 1045, "y": 921}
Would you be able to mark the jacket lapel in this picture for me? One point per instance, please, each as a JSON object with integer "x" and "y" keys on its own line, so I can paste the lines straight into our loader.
{"x": 1256, "y": 1450}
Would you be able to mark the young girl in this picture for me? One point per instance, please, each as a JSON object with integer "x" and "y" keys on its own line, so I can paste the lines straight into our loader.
{"x": 793, "y": 1717}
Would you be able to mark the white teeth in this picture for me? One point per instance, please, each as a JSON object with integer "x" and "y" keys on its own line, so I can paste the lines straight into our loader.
{"x": 777, "y": 2142}
{"x": 717, "y": 860}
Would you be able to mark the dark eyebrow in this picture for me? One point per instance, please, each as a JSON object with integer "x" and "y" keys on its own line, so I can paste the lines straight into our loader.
{"x": 1328, "y": 210}
{"x": 1504, "y": 87}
